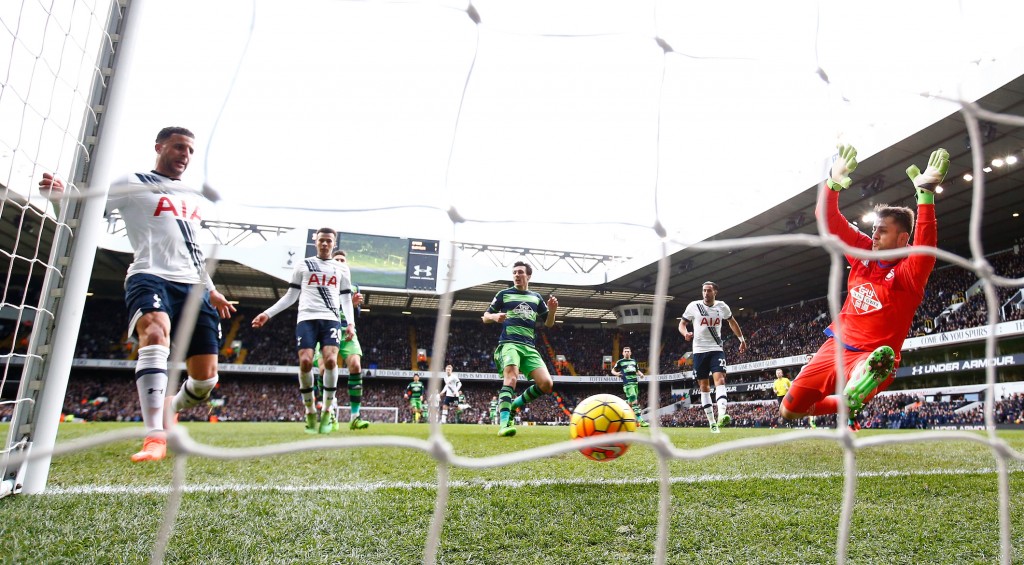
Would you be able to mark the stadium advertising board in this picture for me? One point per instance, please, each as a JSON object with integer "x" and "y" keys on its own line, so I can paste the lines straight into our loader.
{"x": 960, "y": 365}
{"x": 962, "y": 336}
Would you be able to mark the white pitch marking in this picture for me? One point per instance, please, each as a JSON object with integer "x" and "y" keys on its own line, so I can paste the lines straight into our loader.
{"x": 487, "y": 485}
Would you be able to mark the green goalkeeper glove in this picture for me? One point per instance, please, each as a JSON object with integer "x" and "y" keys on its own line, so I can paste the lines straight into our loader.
{"x": 926, "y": 182}
{"x": 845, "y": 163}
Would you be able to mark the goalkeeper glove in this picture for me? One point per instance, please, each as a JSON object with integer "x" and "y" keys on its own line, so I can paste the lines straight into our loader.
{"x": 844, "y": 164}
{"x": 926, "y": 182}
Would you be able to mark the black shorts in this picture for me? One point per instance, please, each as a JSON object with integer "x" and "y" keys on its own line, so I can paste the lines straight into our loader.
{"x": 308, "y": 333}
{"x": 705, "y": 364}
{"x": 149, "y": 293}
{"x": 449, "y": 400}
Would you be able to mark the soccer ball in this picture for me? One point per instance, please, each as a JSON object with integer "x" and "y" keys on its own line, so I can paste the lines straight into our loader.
{"x": 602, "y": 414}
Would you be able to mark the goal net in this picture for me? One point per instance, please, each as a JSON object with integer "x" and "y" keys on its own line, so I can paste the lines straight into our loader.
{"x": 531, "y": 124}
{"x": 55, "y": 67}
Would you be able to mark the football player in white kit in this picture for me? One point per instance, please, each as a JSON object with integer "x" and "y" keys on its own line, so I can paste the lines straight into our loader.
{"x": 320, "y": 284}
{"x": 707, "y": 316}
{"x": 161, "y": 217}
{"x": 452, "y": 387}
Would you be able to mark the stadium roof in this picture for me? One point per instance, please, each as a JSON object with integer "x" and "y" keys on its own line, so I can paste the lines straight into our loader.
{"x": 754, "y": 279}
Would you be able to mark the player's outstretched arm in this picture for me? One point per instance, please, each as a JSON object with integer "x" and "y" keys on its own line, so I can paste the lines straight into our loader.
{"x": 845, "y": 163}
{"x": 926, "y": 182}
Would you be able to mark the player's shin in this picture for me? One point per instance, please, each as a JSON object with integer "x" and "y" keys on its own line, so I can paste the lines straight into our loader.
{"x": 306, "y": 390}
{"x": 193, "y": 393}
{"x": 330, "y": 391}
{"x": 504, "y": 405}
{"x": 355, "y": 393}
{"x": 528, "y": 396}
{"x": 151, "y": 382}
{"x": 709, "y": 410}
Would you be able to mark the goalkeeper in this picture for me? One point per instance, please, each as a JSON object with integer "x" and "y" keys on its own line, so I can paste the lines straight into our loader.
{"x": 882, "y": 295}
{"x": 627, "y": 370}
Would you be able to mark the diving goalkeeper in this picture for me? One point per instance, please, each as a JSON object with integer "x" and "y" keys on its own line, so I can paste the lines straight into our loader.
{"x": 881, "y": 299}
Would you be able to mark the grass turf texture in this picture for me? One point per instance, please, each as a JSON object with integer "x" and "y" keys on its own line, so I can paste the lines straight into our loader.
{"x": 916, "y": 503}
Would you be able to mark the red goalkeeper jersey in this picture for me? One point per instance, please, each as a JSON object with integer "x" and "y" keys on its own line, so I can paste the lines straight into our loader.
{"x": 881, "y": 297}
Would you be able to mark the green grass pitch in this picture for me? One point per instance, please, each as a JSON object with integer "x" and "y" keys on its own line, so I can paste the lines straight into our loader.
{"x": 934, "y": 502}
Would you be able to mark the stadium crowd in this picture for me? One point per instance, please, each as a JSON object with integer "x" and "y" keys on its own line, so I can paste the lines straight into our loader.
{"x": 103, "y": 396}
{"x": 952, "y": 301}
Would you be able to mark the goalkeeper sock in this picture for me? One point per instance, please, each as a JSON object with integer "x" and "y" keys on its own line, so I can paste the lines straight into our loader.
{"x": 193, "y": 393}
{"x": 330, "y": 388}
{"x": 151, "y": 382}
{"x": 504, "y": 404}
{"x": 355, "y": 393}
{"x": 306, "y": 390}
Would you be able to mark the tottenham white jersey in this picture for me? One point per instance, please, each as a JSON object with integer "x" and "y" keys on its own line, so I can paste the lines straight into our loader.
{"x": 452, "y": 385}
{"x": 162, "y": 217}
{"x": 323, "y": 288}
{"x": 707, "y": 324}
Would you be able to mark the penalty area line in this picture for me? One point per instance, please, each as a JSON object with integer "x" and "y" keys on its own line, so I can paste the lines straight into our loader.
{"x": 489, "y": 485}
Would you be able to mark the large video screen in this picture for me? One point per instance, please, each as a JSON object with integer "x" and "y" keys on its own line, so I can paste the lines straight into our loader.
{"x": 375, "y": 260}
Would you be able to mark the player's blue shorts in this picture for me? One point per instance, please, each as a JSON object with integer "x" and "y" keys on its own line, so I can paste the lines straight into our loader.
{"x": 149, "y": 293}
{"x": 704, "y": 364}
{"x": 308, "y": 333}
{"x": 449, "y": 400}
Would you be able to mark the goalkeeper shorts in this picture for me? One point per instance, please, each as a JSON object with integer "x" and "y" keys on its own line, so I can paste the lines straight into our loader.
{"x": 818, "y": 378}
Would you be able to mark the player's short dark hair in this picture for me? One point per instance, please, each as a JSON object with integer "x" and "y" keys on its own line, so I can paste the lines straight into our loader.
{"x": 529, "y": 269}
{"x": 415, "y": 374}
{"x": 714, "y": 285}
{"x": 903, "y": 216}
{"x": 328, "y": 230}
{"x": 339, "y": 252}
{"x": 167, "y": 132}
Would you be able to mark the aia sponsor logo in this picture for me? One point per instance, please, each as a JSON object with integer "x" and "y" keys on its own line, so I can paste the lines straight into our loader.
{"x": 322, "y": 279}
{"x": 180, "y": 209}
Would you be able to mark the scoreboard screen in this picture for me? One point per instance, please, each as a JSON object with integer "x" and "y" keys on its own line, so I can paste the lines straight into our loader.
{"x": 386, "y": 262}
{"x": 422, "y": 271}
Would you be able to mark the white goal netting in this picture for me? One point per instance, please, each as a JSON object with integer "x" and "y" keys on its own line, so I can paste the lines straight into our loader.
{"x": 620, "y": 123}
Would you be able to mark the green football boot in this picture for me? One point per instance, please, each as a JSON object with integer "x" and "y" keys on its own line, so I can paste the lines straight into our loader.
{"x": 877, "y": 368}
{"x": 714, "y": 429}
{"x": 358, "y": 423}
{"x": 326, "y": 426}
{"x": 509, "y": 429}
{"x": 312, "y": 423}
{"x": 724, "y": 420}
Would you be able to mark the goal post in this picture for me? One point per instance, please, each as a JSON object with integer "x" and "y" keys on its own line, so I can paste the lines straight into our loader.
{"x": 51, "y": 348}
